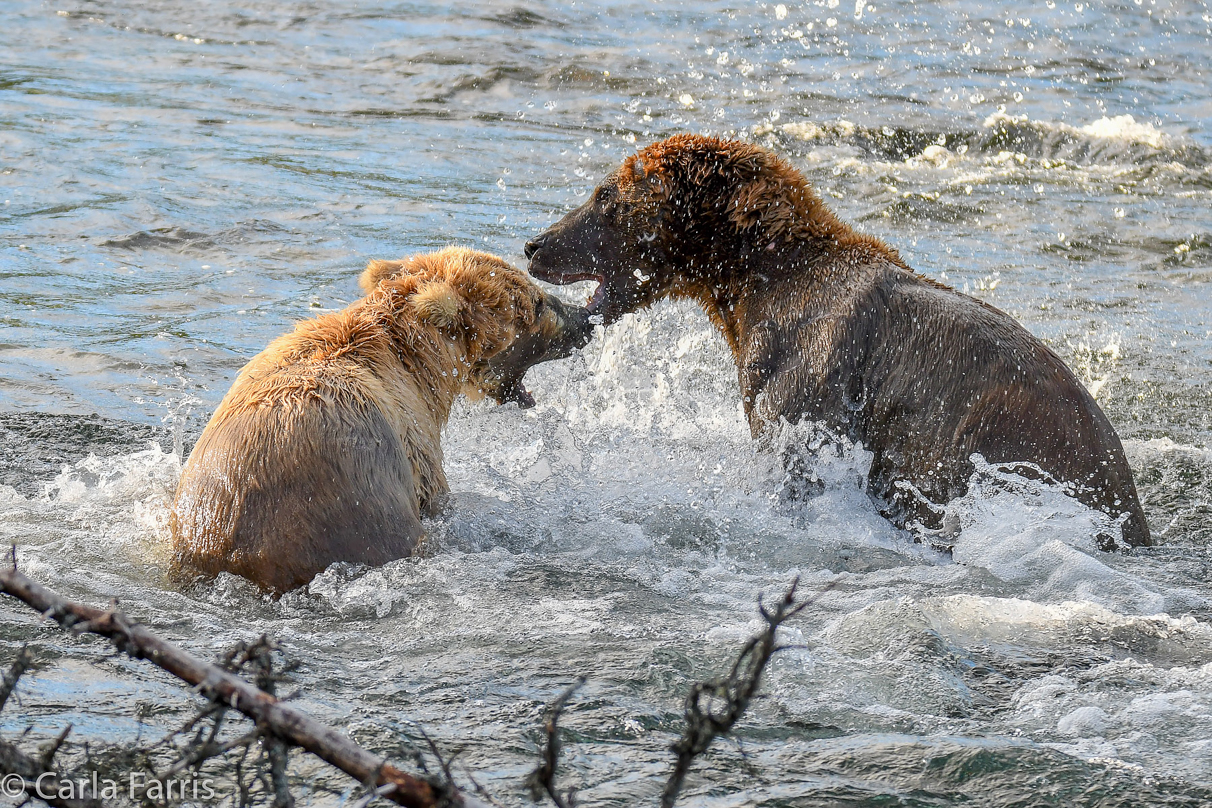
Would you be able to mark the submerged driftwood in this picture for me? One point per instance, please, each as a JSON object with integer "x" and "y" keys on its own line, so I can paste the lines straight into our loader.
{"x": 712, "y": 709}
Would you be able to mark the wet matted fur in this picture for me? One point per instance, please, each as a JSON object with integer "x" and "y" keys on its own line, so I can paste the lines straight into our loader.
{"x": 327, "y": 446}
{"x": 830, "y": 325}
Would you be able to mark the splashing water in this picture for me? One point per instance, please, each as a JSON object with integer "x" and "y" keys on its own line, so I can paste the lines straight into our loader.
{"x": 164, "y": 216}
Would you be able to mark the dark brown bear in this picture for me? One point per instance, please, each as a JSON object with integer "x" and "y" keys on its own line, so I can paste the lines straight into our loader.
{"x": 830, "y": 325}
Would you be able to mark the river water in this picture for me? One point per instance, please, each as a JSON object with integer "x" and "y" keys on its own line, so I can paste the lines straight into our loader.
{"x": 180, "y": 181}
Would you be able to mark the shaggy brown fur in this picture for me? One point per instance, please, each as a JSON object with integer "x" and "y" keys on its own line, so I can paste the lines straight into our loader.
{"x": 830, "y": 325}
{"x": 327, "y": 449}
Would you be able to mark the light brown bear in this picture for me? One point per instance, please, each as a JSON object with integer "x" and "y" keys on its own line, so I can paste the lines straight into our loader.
{"x": 829, "y": 325}
{"x": 327, "y": 448}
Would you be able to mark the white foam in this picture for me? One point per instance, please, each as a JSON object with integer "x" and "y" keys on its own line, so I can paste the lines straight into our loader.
{"x": 809, "y": 130}
{"x": 117, "y": 478}
{"x": 1083, "y": 722}
{"x": 102, "y": 504}
{"x": 1154, "y": 447}
{"x": 632, "y": 503}
{"x": 1121, "y": 127}
{"x": 1125, "y": 127}
{"x": 1036, "y": 537}
{"x": 934, "y": 156}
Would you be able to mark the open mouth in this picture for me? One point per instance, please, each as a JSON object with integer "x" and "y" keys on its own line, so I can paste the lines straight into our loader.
{"x": 512, "y": 391}
{"x": 519, "y": 395}
{"x": 596, "y": 301}
{"x": 598, "y": 298}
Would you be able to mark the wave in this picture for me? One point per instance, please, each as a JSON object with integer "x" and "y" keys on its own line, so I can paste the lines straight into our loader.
{"x": 183, "y": 240}
{"x": 1120, "y": 141}
{"x": 37, "y": 446}
{"x": 660, "y": 520}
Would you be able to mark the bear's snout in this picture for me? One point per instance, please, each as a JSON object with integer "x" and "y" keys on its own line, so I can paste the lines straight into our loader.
{"x": 576, "y": 325}
{"x": 559, "y": 329}
{"x": 535, "y": 244}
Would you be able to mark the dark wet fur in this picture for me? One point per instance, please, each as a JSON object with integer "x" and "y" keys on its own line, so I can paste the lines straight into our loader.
{"x": 562, "y": 329}
{"x": 830, "y": 325}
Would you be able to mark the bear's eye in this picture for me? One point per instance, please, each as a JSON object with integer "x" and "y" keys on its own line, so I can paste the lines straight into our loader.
{"x": 605, "y": 195}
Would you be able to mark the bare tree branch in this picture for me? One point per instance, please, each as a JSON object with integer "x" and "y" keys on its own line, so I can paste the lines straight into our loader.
{"x": 270, "y": 714}
{"x": 47, "y": 756}
{"x": 714, "y": 706}
{"x": 14, "y": 761}
{"x": 542, "y": 779}
{"x": 19, "y": 667}
{"x": 29, "y": 769}
{"x": 277, "y": 753}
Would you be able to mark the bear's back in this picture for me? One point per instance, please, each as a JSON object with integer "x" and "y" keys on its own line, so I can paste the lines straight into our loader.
{"x": 278, "y": 491}
{"x": 945, "y": 375}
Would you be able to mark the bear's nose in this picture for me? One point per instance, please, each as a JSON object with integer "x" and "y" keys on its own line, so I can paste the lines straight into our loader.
{"x": 535, "y": 245}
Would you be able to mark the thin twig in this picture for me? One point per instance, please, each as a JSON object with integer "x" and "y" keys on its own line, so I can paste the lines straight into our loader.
{"x": 479, "y": 789}
{"x": 277, "y": 753}
{"x": 16, "y": 671}
{"x": 542, "y": 779}
{"x": 443, "y": 761}
{"x": 15, "y": 762}
{"x": 703, "y": 723}
{"x": 283, "y": 721}
{"x": 202, "y": 714}
{"x": 381, "y": 791}
{"x": 207, "y": 751}
{"x": 244, "y": 788}
{"x": 47, "y": 755}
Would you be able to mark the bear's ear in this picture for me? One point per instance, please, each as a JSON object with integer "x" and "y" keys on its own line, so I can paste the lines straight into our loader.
{"x": 648, "y": 180}
{"x": 756, "y": 199}
{"x": 646, "y": 176}
{"x": 438, "y": 303}
{"x": 376, "y": 271}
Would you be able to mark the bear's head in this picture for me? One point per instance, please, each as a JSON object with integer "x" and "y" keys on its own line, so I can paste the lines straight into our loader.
{"x": 500, "y": 322}
{"x": 677, "y": 219}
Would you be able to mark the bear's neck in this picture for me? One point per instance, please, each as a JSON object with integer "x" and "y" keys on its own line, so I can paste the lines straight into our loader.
{"x": 744, "y": 264}
{"x": 435, "y": 365}
{"x": 743, "y": 286}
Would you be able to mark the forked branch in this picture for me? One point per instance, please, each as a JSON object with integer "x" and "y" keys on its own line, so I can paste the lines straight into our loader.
{"x": 714, "y": 706}
{"x": 30, "y": 769}
{"x": 542, "y": 780}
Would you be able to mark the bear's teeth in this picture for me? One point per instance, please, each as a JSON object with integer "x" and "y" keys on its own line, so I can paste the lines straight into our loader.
{"x": 523, "y": 398}
{"x": 598, "y": 298}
